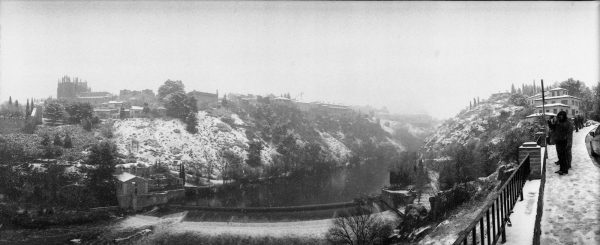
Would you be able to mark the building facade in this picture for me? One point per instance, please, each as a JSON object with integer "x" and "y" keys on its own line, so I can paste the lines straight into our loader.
{"x": 557, "y": 100}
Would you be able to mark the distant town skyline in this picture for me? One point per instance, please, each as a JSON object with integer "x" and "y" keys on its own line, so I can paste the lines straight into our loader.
{"x": 411, "y": 57}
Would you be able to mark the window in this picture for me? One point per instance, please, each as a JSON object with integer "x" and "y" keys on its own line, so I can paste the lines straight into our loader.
{"x": 573, "y": 111}
{"x": 540, "y": 111}
{"x": 566, "y": 102}
{"x": 547, "y": 110}
{"x": 554, "y": 111}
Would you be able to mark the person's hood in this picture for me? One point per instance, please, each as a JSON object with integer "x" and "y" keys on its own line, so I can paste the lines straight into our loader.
{"x": 563, "y": 115}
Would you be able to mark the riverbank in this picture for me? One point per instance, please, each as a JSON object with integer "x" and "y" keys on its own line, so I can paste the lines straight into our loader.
{"x": 186, "y": 232}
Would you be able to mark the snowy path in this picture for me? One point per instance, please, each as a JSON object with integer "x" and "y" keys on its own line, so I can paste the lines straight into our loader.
{"x": 572, "y": 201}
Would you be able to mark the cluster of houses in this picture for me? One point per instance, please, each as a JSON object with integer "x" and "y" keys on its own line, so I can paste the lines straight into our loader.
{"x": 117, "y": 109}
{"x": 556, "y": 100}
{"x": 331, "y": 109}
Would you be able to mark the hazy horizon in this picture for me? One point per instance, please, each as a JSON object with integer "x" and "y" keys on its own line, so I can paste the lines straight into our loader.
{"x": 411, "y": 57}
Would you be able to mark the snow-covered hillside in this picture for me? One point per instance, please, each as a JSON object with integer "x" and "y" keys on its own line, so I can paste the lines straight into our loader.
{"x": 167, "y": 140}
{"x": 338, "y": 151}
{"x": 485, "y": 120}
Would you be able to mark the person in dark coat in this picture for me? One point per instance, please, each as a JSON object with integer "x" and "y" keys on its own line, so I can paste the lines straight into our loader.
{"x": 563, "y": 137}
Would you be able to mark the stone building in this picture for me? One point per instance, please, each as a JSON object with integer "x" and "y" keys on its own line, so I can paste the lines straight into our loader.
{"x": 139, "y": 187}
{"x": 69, "y": 88}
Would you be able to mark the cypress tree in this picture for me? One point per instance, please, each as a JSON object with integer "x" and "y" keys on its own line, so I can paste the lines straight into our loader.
{"x": 10, "y": 100}
{"x": 17, "y": 103}
{"x": 27, "y": 109}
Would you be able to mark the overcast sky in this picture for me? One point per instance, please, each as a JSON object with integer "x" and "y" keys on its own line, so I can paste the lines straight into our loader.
{"x": 411, "y": 57}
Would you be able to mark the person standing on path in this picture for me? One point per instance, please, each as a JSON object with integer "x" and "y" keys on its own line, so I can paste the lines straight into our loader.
{"x": 563, "y": 137}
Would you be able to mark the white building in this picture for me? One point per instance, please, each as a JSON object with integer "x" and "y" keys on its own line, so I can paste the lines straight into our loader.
{"x": 557, "y": 100}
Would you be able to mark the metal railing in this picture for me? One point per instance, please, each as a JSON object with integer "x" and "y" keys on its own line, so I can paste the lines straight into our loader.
{"x": 490, "y": 224}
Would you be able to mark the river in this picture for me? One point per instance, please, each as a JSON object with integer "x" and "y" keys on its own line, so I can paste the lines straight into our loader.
{"x": 342, "y": 185}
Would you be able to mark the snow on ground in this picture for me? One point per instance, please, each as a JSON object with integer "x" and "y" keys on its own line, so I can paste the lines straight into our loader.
{"x": 339, "y": 151}
{"x": 572, "y": 201}
{"x": 139, "y": 221}
{"x": 267, "y": 153}
{"x": 447, "y": 231}
{"x": 523, "y": 218}
{"x": 167, "y": 140}
{"x": 388, "y": 128}
{"x": 237, "y": 120}
{"x": 310, "y": 228}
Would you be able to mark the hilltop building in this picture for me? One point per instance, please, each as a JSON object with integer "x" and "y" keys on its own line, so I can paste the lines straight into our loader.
{"x": 75, "y": 89}
{"x": 69, "y": 88}
{"x": 93, "y": 97}
{"x": 138, "y": 97}
{"x": 557, "y": 99}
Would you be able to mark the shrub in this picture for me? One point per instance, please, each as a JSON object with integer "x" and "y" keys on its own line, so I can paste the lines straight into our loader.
{"x": 45, "y": 140}
{"x": 228, "y": 120}
{"x": 86, "y": 124}
{"x": 107, "y": 131}
{"x": 361, "y": 228}
{"x": 518, "y": 99}
{"x": 57, "y": 141}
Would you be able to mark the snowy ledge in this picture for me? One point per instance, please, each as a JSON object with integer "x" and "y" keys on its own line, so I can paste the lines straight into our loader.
{"x": 523, "y": 216}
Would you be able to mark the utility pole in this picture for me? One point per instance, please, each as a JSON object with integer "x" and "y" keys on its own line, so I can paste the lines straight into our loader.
{"x": 544, "y": 116}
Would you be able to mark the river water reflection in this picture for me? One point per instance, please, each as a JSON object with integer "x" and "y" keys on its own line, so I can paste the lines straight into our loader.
{"x": 302, "y": 189}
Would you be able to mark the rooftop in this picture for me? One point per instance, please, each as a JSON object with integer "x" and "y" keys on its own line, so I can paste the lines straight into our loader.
{"x": 550, "y": 105}
{"x": 557, "y": 97}
{"x": 540, "y": 114}
{"x": 556, "y": 89}
{"x": 124, "y": 176}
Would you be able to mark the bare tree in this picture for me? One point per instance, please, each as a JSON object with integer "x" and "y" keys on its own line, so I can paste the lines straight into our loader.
{"x": 361, "y": 228}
